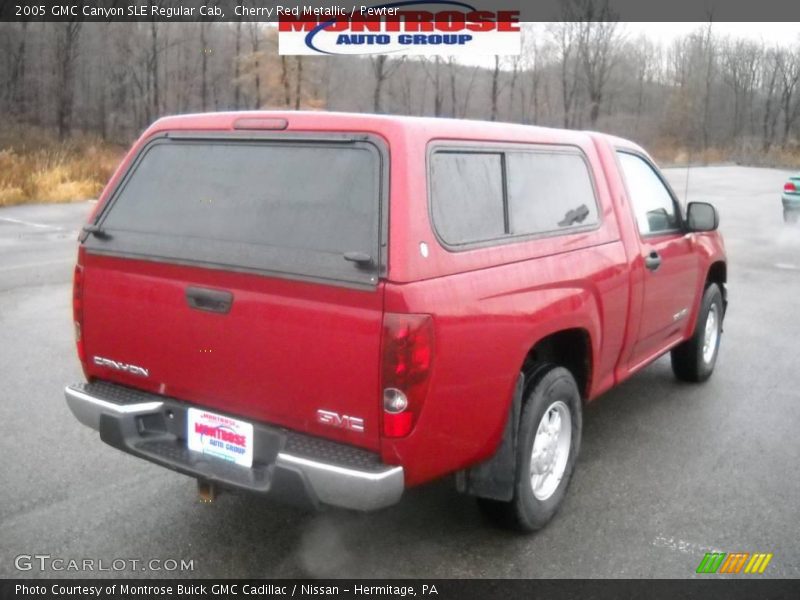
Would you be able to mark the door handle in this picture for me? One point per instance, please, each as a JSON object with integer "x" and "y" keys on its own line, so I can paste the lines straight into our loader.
{"x": 218, "y": 301}
{"x": 652, "y": 261}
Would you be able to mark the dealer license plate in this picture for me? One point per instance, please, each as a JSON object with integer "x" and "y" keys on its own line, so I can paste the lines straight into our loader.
{"x": 220, "y": 436}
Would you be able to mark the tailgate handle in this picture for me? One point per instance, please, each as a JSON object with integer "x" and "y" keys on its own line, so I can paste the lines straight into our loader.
{"x": 218, "y": 301}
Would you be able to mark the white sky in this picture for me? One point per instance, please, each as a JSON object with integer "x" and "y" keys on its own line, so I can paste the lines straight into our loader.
{"x": 783, "y": 33}
{"x": 780, "y": 33}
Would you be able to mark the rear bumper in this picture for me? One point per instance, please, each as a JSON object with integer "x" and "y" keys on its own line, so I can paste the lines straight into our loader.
{"x": 791, "y": 201}
{"x": 286, "y": 465}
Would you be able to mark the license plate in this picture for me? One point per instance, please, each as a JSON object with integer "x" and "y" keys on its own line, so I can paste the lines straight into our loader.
{"x": 223, "y": 437}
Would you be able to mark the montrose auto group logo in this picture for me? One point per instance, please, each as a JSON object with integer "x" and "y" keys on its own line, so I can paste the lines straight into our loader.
{"x": 410, "y": 27}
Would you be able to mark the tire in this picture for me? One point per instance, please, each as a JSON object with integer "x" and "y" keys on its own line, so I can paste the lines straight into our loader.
{"x": 790, "y": 216}
{"x": 694, "y": 359}
{"x": 550, "y": 394}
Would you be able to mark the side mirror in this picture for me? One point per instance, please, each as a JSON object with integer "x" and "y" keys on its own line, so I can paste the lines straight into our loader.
{"x": 702, "y": 216}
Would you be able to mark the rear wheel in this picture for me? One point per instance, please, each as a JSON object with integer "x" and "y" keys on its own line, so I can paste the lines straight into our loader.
{"x": 790, "y": 216}
{"x": 548, "y": 444}
{"x": 694, "y": 359}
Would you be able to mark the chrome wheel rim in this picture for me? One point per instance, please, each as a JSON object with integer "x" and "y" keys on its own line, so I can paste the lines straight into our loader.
{"x": 550, "y": 452}
{"x": 711, "y": 335}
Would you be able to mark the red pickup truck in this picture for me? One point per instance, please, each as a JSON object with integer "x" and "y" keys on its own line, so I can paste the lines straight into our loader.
{"x": 329, "y": 308}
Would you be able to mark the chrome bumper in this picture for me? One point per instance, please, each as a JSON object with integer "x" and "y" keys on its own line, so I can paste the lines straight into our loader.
{"x": 88, "y": 408}
{"x": 348, "y": 478}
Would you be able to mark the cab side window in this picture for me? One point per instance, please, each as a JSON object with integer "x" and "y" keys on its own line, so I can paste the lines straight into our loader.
{"x": 653, "y": 206}
{"x": 494, "y": 195}
{"x": 549, "y": 192}
{"x": 468, "y": 192}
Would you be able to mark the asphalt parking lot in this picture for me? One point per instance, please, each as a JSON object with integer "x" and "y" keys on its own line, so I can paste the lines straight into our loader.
{"x": 668, "y": 471}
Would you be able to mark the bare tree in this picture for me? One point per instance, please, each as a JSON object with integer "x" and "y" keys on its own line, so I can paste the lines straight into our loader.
{"x": 16, "y": 55}
{"x": 739, "y": 64}
{"x": 533, "y": 57}
{"x": 237, "y": 59}
{"x": 646, "y": 69}
{"x": 452, "y": 70}
{"x": 500, "y": 83}
{"x": 206, "y": 51}
{"x": 67, "y": 51}
{"x": 598, "y": 41}
{"x": 709, "y": 49}
{"x": 692, "y": 65}
{"x": 769, "y": 74}
{"x": 153, "y": 71}
{"x": 512, "y": 86}
{"x": 461, "y": 81}
{"x": 495, "y": 87}
{"x": 255, "y": 48}
{"x": 382, "y": 69}
{"x": 565, "y": 36}
{"x": 467, "y": 93}
{"x": 433, "y": 72}
{"x": 406, "y": 89}
{"x": 298, "y": 83}
{"x": 789, "y": 76}
{"x": 287, "y": 98}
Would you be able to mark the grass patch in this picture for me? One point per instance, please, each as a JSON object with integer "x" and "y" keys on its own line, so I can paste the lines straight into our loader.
{"x": 36, "y": 167}
{"x": 746, "y": 153}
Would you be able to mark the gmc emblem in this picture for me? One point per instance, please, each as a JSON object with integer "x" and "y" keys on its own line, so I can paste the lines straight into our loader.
{"x": 328, "y": 417}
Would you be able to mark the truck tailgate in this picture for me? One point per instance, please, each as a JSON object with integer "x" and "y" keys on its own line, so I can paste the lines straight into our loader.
{"x": 242, "y": 275}
{"x": 285, "y": 350}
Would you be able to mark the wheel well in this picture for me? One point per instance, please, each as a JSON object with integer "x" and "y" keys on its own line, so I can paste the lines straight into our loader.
{"x": 495, "y": 478}
{"x": 718, "y": 273}
{"x": 570, "y": 348}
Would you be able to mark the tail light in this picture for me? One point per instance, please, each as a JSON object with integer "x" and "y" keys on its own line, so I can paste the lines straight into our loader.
{"x": 77, "y": 306}
{"x": 789, "y": 187}
{"x": 407, "y": 361}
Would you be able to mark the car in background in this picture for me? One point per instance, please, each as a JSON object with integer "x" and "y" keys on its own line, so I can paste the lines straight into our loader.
{"x": 791, "y": 199}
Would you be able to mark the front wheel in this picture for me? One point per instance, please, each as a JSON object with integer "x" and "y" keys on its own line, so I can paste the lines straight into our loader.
{"x": 694, "y": 359}
{"x": 548, "y": 444}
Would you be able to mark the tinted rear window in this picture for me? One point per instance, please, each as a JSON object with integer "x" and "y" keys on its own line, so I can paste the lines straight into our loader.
{"x": 284, "y": 207}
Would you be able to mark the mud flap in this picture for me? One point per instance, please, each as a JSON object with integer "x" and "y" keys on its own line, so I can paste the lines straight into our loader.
{"x": 495, "y": 477}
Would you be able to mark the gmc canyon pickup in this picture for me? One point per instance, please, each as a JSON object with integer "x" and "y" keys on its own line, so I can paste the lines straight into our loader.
{"x": 330, "y": 308}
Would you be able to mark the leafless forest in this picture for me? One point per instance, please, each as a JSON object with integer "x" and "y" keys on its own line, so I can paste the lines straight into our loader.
{"x": 702, "y": 96}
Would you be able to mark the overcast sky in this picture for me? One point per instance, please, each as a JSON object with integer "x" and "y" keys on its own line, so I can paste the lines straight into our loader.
{"x": 780, "y": 33}
{"x": 664, "y": 32}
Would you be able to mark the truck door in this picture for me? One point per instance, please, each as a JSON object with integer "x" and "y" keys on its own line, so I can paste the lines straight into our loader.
{"x": 669, "y": 267}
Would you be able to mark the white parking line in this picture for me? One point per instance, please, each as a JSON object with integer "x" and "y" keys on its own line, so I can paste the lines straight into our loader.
{"x": 787, "y": 266}
{"x": 662, "y": 541}
{"x": 31, "y": 224}
{"x": 45, "y": 263}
